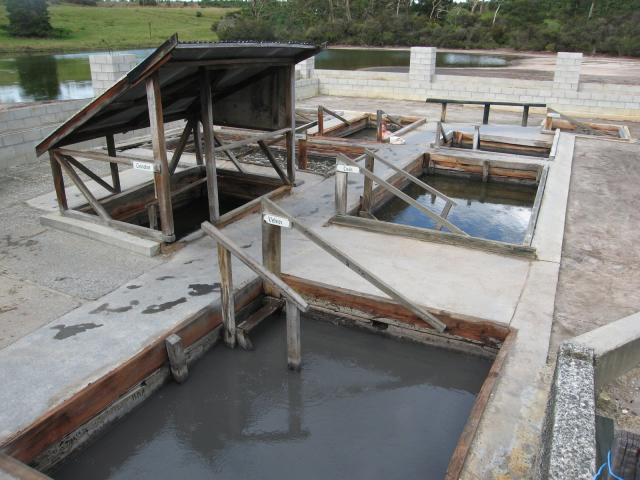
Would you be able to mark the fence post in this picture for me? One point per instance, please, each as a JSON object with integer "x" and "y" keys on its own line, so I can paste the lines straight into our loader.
{"x": 379, "y": 121}
{"x": 341, "y": 190}
{"x": 320, "y": 120}
{"x": 367, "y": 191}
{"x": 271, "y": 253}
{"x": 438, "y": 134}
{"x": 294, "y": 350}
{"x": 226, "y": 296}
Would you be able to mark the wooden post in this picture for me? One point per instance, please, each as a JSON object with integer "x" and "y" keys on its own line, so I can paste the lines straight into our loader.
{"x": 341, "y": 190}
{"x": 485, "y": 115}
{"x": 153, "y": 216}
{"x": 367, "y": 191}
{"x": 525, "y": 115}
{"x": 226, "y": 296}
{"x": 162, "y": 178}
{"x": 58, "y": 182}
{"x": 271, "y": 252}
{"x": 206, "y": 114}
{"x": 302, "y": 154}
{"x": 115, "y": 174}
{"x": 320, "y": 120}
{"x": 443, "y": 112}
{"x": 294, "y": 351}
{"x": 177, "y": 358}
{"x": 476, "y": 137}
{"x": 439, "y": 132}
{"x": 485, "y": 171}
{"x": 290, "y": 114}
{"x": 197, "y": 141}
{"x": 379, "y": 121}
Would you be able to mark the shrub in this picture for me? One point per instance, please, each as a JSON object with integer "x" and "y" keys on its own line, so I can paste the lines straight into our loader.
{"x": 28, "y": 18}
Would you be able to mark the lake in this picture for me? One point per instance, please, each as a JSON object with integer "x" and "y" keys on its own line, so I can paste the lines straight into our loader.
{"x": 37, "y": 77}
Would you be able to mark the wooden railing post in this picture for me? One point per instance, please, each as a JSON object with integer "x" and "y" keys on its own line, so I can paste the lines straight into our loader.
{"x": 525, "y": 115}
{"x": 379, "y": 121}
{"x": 476, "y": 137}
{"x": 162, "y": 178}
{"x": 58, "y": 182}
{"x": 485, "y": 114}
{"x": 294, "y": 348}
{"x": 443, "y": 112}
{"x": 206, "y": 117}
{"x": 271, "y": 252}
{"x": 439, "y": 132}
{"x": 226, "y": 296}
{"x": 367, "y": 191}
{"x": 341, "y": 189}
{"x": 115, "y": 174}
{"x": 320, "y": 120}
{"x": 197, "y": 141}
{"x": 302, "y": 154}
{"x": 290, "y": 114}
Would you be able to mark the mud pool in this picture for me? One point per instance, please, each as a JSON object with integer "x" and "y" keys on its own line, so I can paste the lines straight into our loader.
{"x": 494, "y": 211}
{"x": 363, "y": 406}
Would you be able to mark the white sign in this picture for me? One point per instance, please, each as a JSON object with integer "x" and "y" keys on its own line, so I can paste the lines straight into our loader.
{"x": 145, "y": 166}
{"x": 347, "y": 168}
{"x": 275, "y": 220}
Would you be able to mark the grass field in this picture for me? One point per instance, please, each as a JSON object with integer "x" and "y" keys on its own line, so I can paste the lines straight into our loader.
{"x": 115, "y": 27}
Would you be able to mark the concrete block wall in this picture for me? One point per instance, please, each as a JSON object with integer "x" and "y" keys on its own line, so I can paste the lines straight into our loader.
{"x": 106, "y": 69}
{"x": 306, "y": 68}
{"x": 566, "y": 93}
{"x": 567, "y": 72}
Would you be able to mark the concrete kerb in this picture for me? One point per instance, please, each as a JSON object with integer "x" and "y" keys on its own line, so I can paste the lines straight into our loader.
{"x": 616, "y": 348}
{"x": 569, "y": 432}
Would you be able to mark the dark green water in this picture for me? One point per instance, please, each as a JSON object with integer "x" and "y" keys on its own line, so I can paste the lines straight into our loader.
{"x": 29, "y": 78}
{"x": 494, "y": 211}
{"x": 362, "y": 407}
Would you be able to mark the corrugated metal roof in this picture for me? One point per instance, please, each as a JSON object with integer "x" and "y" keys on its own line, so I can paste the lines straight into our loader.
{"x": 123, "y": 107}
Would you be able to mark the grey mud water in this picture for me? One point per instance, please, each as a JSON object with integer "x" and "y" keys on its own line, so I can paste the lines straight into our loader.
{"x": 362, "y": 407}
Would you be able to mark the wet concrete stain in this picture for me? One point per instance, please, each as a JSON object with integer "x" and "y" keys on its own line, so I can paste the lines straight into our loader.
{"x": 151, "y": 309}
{"x": 165, "y": 277}
{"x": 198, "y": 289}
{"x": 66, "y": 331}
{"x": 327, "y": 195}
{"x": 60, "y": 279}
{"x": 189, "y": 262}
{"x": 106, "y": 308}
{"x": 395, "y": 414}
{"x": 314, "y": 211}
{"x": 248, "y": 245}
{"x": 133, "y": 287}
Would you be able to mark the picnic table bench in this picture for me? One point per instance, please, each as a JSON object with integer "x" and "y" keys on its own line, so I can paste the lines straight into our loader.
{"x": 487, "y": 107}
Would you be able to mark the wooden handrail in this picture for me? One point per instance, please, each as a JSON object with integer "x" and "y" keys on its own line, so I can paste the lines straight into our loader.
{"x": 355, "y": 266}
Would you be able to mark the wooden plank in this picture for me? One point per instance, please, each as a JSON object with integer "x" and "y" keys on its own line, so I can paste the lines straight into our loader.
{"x": 484, "y": 102}
{"x": 206, "y": 117}
{"x": 274, "y": 163}
{"x": 408, "y": 128}
{"x": 625, "y": 456}
{"x": 182, "y": 143}
{"x": 95, "y": 204}
{"x": 162, "y": 179}
{"x": 252, "y": 206}
{"x": 91, "y": 175}
{"x": 256, "y": 318}
{"x": 115, "y": 174}
{"x": 303, "y": 156}
{"x": 226, "y": 296}
{"x": 230, "y": 155}
{"x": 335, "y": 115}
{"x": 537, "y": 202}
{"x": 81, "y": 407}
{"x": 103, "y": 157}
{"x": 355, "y": 266}
{"x": 403, "y": 196}
{"x": 487, "y": 333}
{"x": 254, "y": 139}
{"x": 58, "y": 182}
{"x": 456, "y": 463}
{"x": 294, "y": 349}
{"x": 428, "y": 235}
{"x": 177, "y": 358}
{"x": 413, "y": 179}
{"x": 259, "y": 269}
{"x": 197, "y": 142}
{"x": 271, "y": 252}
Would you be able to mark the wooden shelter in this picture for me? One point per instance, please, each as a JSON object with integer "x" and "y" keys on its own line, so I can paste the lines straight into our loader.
{"x": 247, "y": 85}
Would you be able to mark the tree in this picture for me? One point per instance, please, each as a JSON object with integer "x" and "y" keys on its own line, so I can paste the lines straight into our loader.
{"x": 28, "y": 18}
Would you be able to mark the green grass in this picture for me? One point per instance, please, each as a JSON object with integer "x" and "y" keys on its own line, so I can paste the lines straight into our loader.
{"x": 114, "y": 27}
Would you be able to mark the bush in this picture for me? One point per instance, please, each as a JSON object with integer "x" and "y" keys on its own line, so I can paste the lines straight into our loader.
{"x": 28, "y": 18}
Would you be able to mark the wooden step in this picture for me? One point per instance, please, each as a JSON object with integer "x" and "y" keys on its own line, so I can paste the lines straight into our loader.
{"x": 270, "y": 306}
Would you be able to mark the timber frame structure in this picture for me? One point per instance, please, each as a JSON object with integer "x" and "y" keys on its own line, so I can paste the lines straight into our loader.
{"x": 238, "y": 84}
